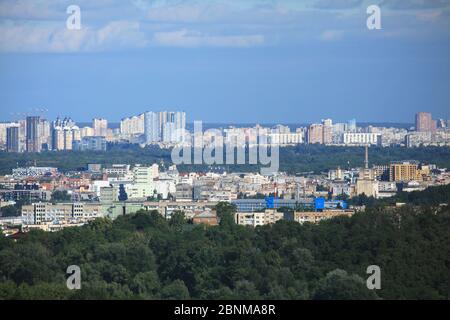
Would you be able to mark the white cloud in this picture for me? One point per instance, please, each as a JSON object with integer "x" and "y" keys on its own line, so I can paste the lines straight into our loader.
{"x": 430, "y": 15}
{"x": 337, "y": 4}
{"x": 39, "y": 25}
{"x": 198, "y": 12}
{"x": 53, "y": 37}
{"x": 25, "y": 9}
{"x": 186, "y": 38}
{"x": 331, "y": 35}
{"x": 123, "y": 34}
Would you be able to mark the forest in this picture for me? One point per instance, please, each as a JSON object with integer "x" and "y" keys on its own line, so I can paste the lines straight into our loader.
{"x": 431, "y": 196}
{"x": 293, "y": 160}
{"x": 144, "y": 256}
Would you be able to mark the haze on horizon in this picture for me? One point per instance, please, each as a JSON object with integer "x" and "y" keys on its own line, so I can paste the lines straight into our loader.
{"x": 223, "y": 61}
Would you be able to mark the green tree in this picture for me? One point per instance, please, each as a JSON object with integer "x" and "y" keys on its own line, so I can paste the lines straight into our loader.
{"x": 177, "y": 220}
{"x": 146, "y": 285}
{"x": 60, "y": 196}
{"x": 9, "y": 211}
{"x": 338, "y": 285}
{"x": 123, "y": 196}
{"x": 225, "y": 212}
{"x": 176, "y": 290}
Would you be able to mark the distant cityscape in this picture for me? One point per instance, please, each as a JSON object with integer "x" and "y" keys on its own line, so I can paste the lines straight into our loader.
{"x": 49, "y": 199}
{"x": 36, "y": 134}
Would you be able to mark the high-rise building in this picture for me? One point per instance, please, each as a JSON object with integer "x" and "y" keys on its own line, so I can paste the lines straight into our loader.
{"x": 180, "y": 126}
{"x": 152, "y": 127}
{"x": 168, "y": 134}
{"x": 68, "y": 139}
{"x": 12, "y": 139}
{"x": 22, "y": 135}
{"x": 404, "y": 171}
{"x": 143, "y": 185}
{"x": 100, "y": 127}
{"x": 58, "y": 138}
{"x": 327, "y": 131}
{"x": 45, "y": 136}
{"x": 86, "y": 132}
{"x": 172, "y": 124}
{"x": 97, "y": 143}
{"x": 381, "y": 172}
{"x": 424, "y": 122}
{"x": 3, "y": 132}
{"x": 32, "y": 134}
{"x": 133, "y": 126}
{"x": 164, "y": 126}
{"x": 64, "y": 133}
{"x": 441, "y": 124}
{"x": 3, "y": 127}
{"x": 351, "y": 126}
{"x": 339, "y": 127}
{"x": 315, "y": 133}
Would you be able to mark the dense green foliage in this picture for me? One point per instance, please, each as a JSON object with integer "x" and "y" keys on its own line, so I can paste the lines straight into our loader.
{"x": 60, "y": 196}
{"x": 9, "y": 211}
{"x": 431, "y": 196}
{"x": 77, "y": 160}
{"x": 301, "y": 158}
{"x": 144, "y": 256}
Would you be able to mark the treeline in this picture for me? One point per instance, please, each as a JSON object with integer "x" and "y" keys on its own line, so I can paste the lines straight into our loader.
{"x": 298, "y": 159}
{"x": 431, "y": 196}
{"x": 78, "y": 160}
{"x": 144, "y": 256}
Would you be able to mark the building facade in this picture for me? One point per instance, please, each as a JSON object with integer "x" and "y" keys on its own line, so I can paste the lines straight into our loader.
{"x": 12, "y": 139}
{"x": 32, "y": 134}
{"x": 44, "y": 212}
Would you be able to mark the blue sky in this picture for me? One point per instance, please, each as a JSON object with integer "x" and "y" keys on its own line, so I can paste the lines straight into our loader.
{"x": 226, "y": 61}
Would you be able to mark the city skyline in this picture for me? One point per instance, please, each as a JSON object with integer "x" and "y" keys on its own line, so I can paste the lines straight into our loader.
{"x": 169, "y": 129}
{"x": 243, "y": 62}
{"x": 17, "y": 116}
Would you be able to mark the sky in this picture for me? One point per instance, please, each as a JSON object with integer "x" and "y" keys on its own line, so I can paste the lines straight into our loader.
{"x": 235, "y": 61}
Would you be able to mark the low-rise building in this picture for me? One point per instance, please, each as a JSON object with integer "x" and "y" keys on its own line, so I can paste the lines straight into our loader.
{"x": 254, "y": 219}
{"x": 361, "y": 138}
{"x": 207, "y": 217}
{"x": 317, "y": 216}
{"x": 43, "y": 212}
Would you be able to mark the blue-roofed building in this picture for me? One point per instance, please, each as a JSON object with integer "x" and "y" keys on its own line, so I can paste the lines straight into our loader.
{"x": 251, "y": 205}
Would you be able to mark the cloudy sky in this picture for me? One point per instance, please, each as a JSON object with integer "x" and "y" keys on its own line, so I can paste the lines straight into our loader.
{"x": 226, "y": 60}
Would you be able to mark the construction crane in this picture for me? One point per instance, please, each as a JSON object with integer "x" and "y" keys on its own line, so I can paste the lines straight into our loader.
{"x": 41, "y": 112}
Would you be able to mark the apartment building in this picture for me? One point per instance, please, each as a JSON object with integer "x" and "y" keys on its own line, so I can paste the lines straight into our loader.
{"x": 253, "y": 219}
{"x": 317, "y": 216}
{"x": 44, "y": 212}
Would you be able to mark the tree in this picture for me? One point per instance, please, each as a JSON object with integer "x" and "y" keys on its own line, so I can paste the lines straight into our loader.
{"x": 60, "y": 196}
{"x": 225, "y": 212}
{"x": 141, "y": 256}
{"x": 123, "y": 196}
{"x": 177, "y": 220}
{"x": 176, "y": 290}
{"x": 27, "y": 262}
{"x": 285, "y": 210}
{"x": 146, "y": 285}
{"x": 246, "y": 290}
{"x": 9, "y": 211}
{"x": 338, "y": 285}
